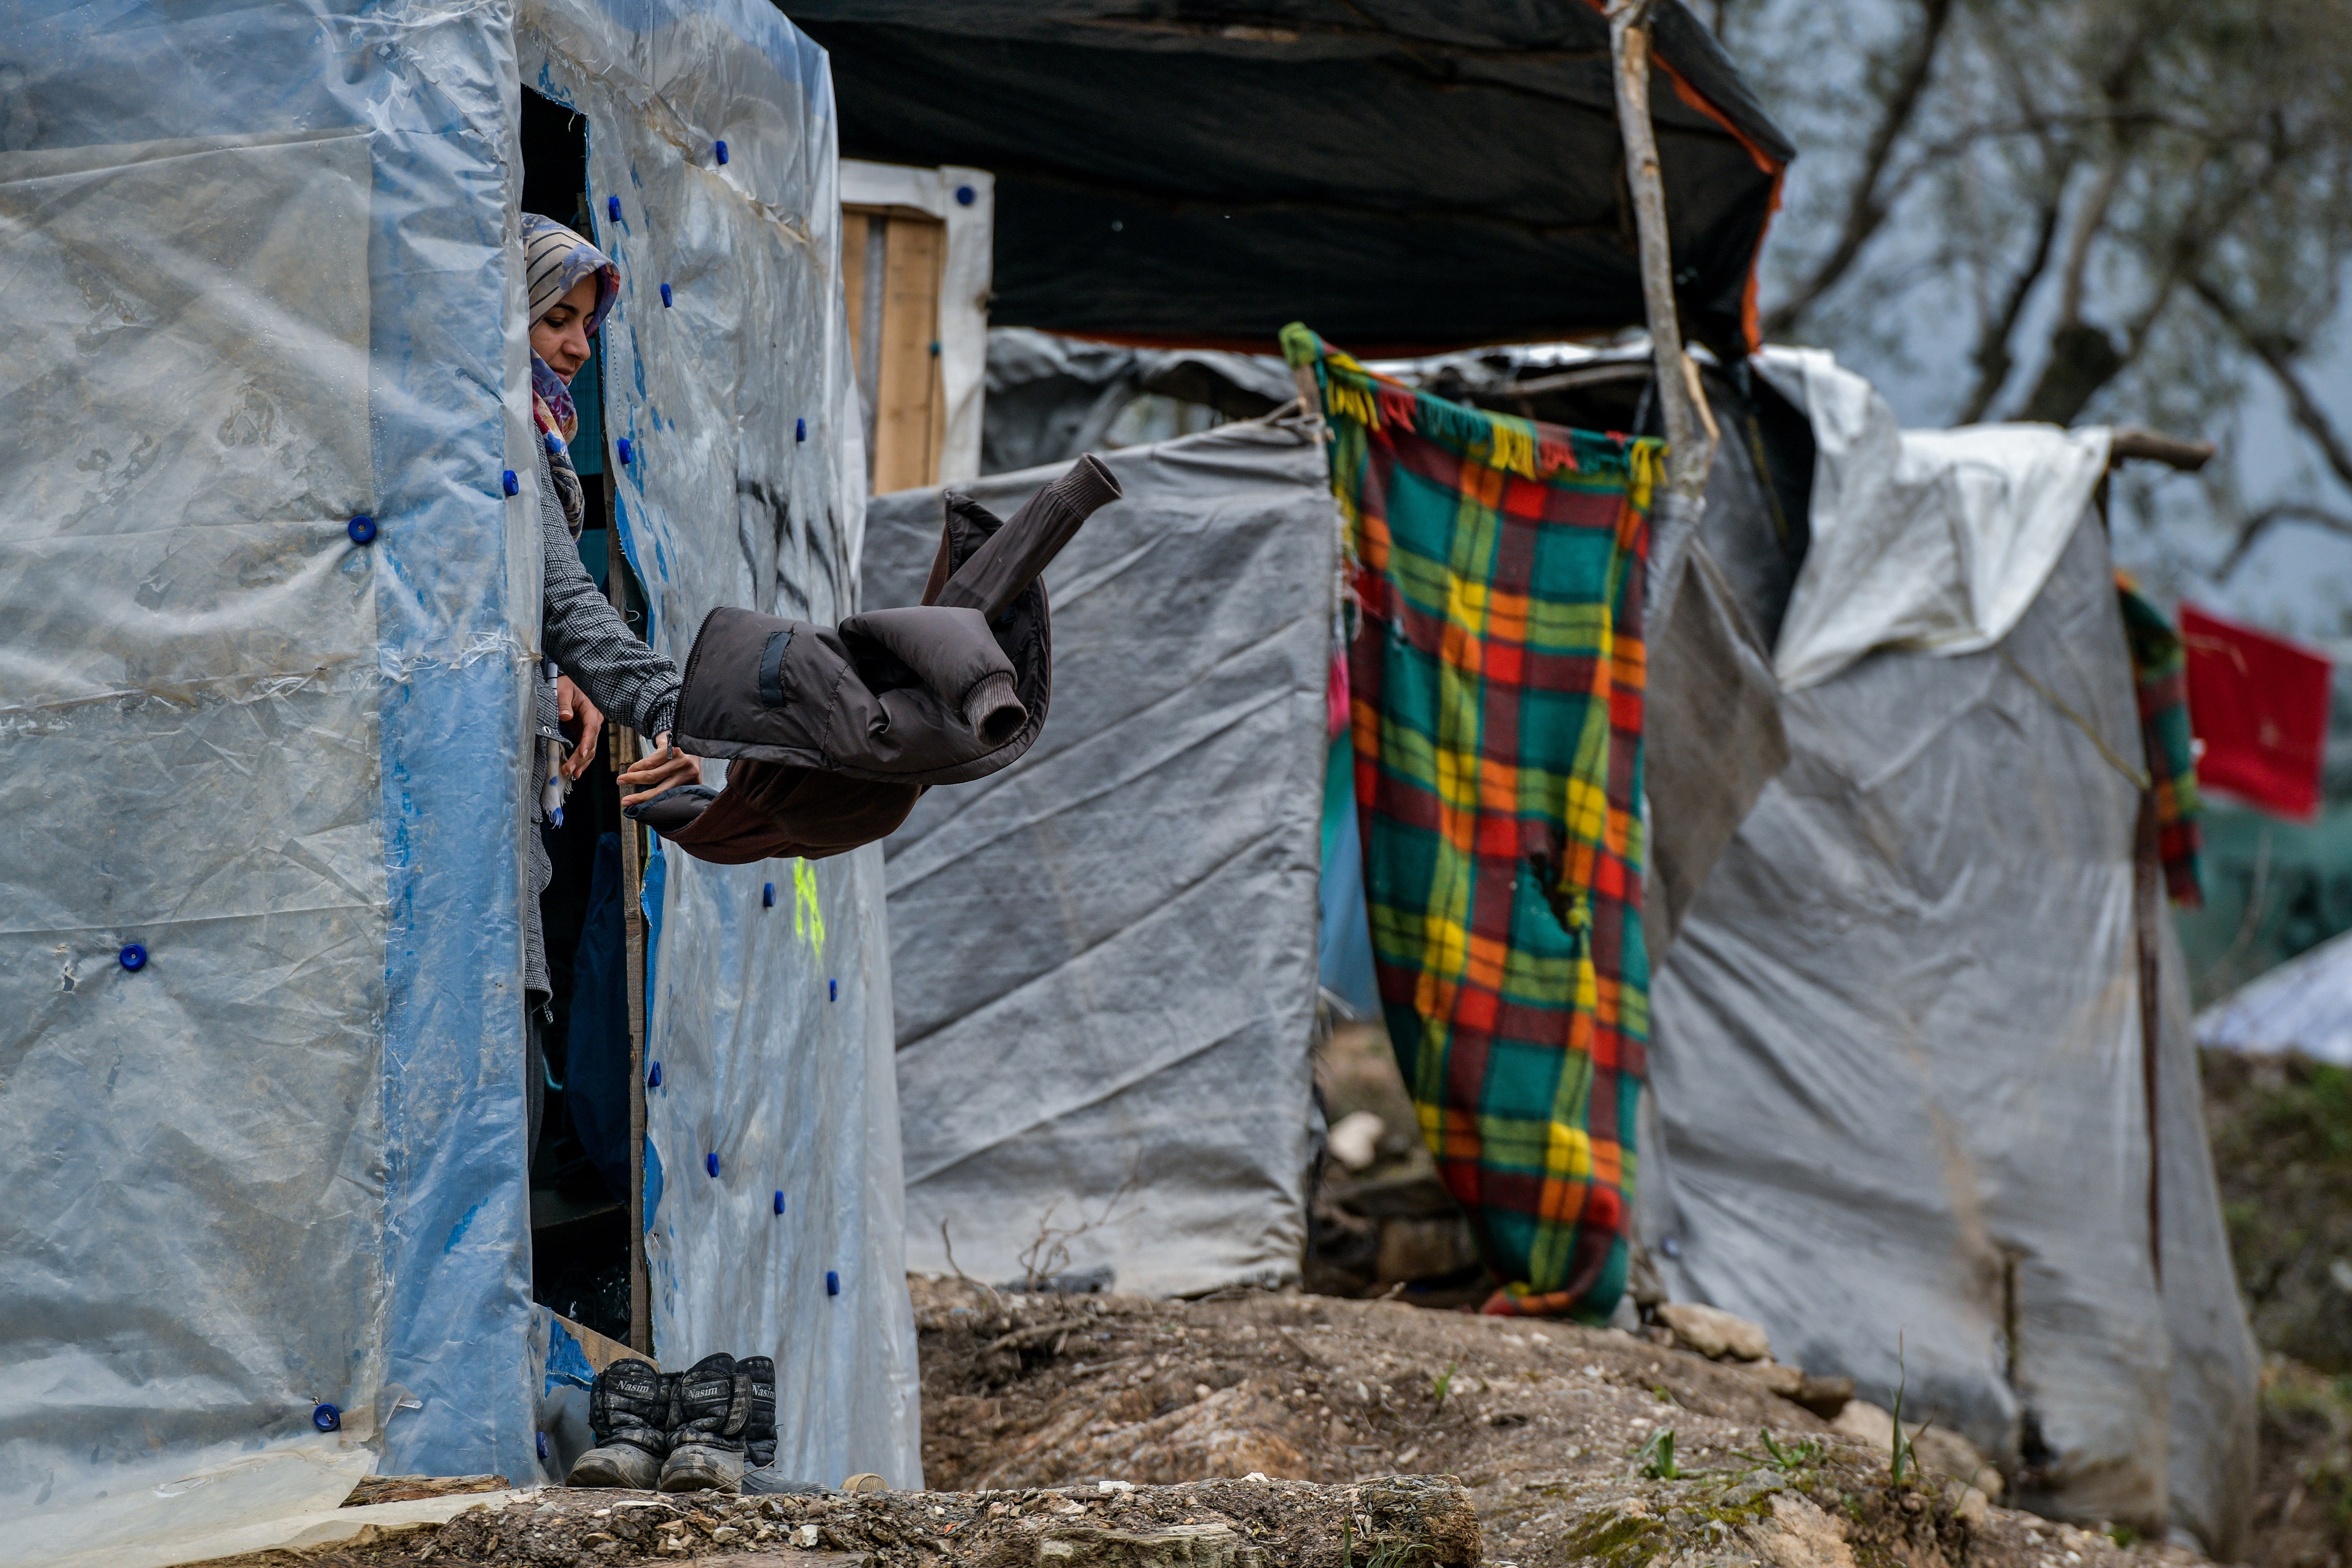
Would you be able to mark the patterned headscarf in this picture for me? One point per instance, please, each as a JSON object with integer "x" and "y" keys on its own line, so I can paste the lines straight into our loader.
{"x": 555, "y": 258}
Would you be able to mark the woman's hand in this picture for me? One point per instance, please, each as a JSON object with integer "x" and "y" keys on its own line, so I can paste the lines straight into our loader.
{"x": 665, "y": 767}
{"x": 572, "y": 702}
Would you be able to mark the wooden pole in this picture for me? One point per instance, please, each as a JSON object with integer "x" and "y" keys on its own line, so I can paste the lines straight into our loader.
{"x": 1690, "y": 450}
{"x": 623, "y": 743}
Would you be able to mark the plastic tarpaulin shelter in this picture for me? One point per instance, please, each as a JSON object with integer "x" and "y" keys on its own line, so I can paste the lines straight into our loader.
{"x": 2304, "y": 1006}
{"x": 1198, "y": 179}
{"x": 1104, "y": 957}
{"x": 266, "y": 266}
{"x": 1910, "y": 1085}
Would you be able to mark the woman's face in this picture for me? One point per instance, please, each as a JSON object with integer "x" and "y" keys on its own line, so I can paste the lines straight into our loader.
{"x": 561, "y": 337}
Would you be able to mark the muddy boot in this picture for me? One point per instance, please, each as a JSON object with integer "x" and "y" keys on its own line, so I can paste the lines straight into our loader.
{"x": 711, "y": 1410}
{"x": 629, "y": 1416}
{"x": 760, "y": 1431}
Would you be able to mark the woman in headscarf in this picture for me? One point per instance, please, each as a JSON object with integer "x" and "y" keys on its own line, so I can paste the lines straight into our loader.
{"x": 592, "y": 664}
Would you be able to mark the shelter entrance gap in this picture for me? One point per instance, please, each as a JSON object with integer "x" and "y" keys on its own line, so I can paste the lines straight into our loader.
{"x": 587, "y": 1178}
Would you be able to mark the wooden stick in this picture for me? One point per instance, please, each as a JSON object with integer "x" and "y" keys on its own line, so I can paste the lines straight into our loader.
{"x": 1689, "y": 453}
{"x": 2130, "y": 441}
{"x": 624, "y": 749}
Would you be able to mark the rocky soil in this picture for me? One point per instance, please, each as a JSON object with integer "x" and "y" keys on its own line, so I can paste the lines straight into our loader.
{"x": 1575, "y": 1446}
{"x": 1226, "y": 1523}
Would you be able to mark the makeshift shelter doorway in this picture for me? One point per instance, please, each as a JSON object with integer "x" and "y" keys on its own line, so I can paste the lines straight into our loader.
{"x": 587, "y": 1179}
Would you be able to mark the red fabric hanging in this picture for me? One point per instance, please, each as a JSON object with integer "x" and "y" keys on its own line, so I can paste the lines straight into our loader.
{"x": 2258, "y": 706}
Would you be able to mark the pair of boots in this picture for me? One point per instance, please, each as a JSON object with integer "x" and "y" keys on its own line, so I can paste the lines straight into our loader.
{"x": 694, "y": 1430}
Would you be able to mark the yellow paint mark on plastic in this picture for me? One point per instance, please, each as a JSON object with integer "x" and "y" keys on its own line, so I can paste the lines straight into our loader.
{"x": 808, "y": 920}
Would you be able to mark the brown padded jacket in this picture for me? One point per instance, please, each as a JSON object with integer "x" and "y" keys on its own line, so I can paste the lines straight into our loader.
{"x": 832, "y": 734}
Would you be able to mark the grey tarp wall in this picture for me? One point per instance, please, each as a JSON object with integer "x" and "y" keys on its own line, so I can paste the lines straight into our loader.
{"x": 1104, "y": 956}
{"x": 267, "y": 280}
{"x": 1898, "y": 1062}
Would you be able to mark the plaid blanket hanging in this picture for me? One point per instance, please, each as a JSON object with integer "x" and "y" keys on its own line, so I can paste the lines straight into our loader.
{"x": 2159, "y": 666}
{"x": 1497, "y": 716}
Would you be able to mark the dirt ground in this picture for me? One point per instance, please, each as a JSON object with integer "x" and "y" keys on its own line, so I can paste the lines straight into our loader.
{"x": 2282, "y": 1134}
{"x": 1560, "y": 1434}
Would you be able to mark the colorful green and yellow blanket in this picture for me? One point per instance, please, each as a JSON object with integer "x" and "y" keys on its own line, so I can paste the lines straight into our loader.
{"x": 1497, "y": 711}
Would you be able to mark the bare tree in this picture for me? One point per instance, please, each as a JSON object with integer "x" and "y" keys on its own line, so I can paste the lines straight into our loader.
{"x": 2095, "y": 210}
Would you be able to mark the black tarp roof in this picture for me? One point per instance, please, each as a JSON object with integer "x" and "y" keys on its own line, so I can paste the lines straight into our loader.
{"x": 1402, "y": 174}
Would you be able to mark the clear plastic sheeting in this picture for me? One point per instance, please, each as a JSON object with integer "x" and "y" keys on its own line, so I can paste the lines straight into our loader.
{"x": 1900, "y": 1064}
{"x": 264, "y": 279}
{"x": 773, "y": 1194}
{"x": 1104, "y": 957}
{"x": 194, "y": 1143}
{"x": 1928, "y": 539}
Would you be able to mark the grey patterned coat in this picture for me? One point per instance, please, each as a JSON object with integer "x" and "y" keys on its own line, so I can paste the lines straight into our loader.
{"x": 583, "y": 635}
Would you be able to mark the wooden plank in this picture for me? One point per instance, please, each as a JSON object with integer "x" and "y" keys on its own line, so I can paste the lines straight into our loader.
{"x": 601, "y": 1350}
{"x": 906, "y": 454}
{"x": 856, "y": 231}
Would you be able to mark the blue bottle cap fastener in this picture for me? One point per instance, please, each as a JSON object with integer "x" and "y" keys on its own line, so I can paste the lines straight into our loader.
{"x": 711, "y": 1163}
{"x": 665, "y": 296}
{"x": 779, "y": 1203}
{"x": 612, "y": 208}
{"x": 133, "y": 957}
{"x": 768, "y": 895}
{"x": 833, "y": 990}
{"x": 513, "y": 485}
{"x": 966, "y": 195}
{"x": 800, "y": 430}
{"x": 653, "y": 1079}
{"x": 627, "y": 449}
{"x": 326, "y": 1417}
{"x": 361, "y": 528}
{"x": 722, "y": 151}
{"x": 832, "y": 1283}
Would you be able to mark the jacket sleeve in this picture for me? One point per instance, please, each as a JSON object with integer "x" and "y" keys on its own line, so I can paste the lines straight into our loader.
{"x": 587, "y": 637}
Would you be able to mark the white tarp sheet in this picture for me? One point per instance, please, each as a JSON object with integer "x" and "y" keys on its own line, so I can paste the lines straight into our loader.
{"x": 1933, "y": 540}
{"x": 2303, "y": 1006}
{"x": 1104, "y": 957}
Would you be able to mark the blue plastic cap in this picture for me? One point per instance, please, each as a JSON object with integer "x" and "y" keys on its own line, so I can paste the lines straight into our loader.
{"x": 966, "y": 195}
{"x": 833, "y": 990}
{"x": 612, "y": 208}
{"x": 800, "y": 430}
{"x": 832, "y": 1283}
{"x": 626, "y": 449}
{"x": 768, "y": 895}
{"x": 665, "y": 296}
{"x": 513, "y": 485}
{"x": 361, "y": 530}
{"x": 542, "y": 1444}
{"x": 711, "y": 1163}
{"x": 779, "y": 1203}
{"x": 653, "y": 1079}
{"x": 722, "y": 152}
{"x": 133, "y": 957}
{"x": 327, "y": 1419}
